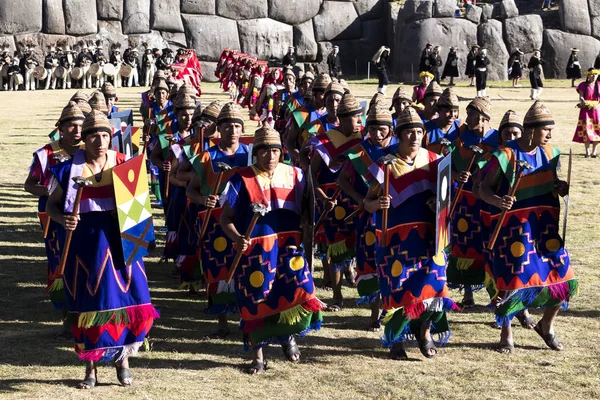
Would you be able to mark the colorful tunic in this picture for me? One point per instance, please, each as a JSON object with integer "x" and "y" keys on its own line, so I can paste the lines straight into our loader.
{"x": 434, "y": 134}
{"x": 216, "y": 250}
{"x": 337, "y": 235}
{"x": 361, "y": 157}
{"x": 273, "y": 284}
{"x": 43, "y": 160}
{"x": 108, "y": 302}
{"x": 412, "y": 279}
{"x": 529, "y": 265}
{"x": 588, "y": 125}
{"x": 466, "y": 266}
{"x": 317, "y": 127}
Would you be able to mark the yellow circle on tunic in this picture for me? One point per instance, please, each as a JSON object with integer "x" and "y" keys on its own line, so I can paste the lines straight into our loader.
{"x": 370, "y": 238}
{"x": 340, "y": 213}
{"x": 439, "y": 258}
{"x": 297, "y": 263}
{"x": 257, "y": 279}
{"x": 463, "y": 225}
{"x": 131, "y": 175}
{"x": 397, "y": 269}
{"x": 553, "y": 244}
{"x": 220, "y": 244}
{"x": 517, "y": 249}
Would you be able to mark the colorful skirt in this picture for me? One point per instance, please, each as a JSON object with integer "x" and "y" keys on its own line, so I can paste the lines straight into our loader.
{"x": 109, "y": 305}
{"x": 366, "y": 268}
{"x": 588, "y": 126}
{"x": 187, "y": 261}
{"x": 175, "y": 208}
{"x": 53, "y": 244}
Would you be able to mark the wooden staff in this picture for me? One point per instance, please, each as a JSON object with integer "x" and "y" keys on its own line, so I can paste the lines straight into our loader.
{"x": 567, "y": 198}
{"x": 521, "y": 167}
{"x": 222, "y": 168}
{"x": 444, "y": 145}
{"x": 171, "y": 140}
{"x": 476, "y": 151}
{"x": 258, "y": 210}
{"x": 353, "y": 214}
{"x": 58, "y": 158}
{"x": 81, "y": 183}
{"x": 335, "y": 195}
{"x": 387, "y": 162}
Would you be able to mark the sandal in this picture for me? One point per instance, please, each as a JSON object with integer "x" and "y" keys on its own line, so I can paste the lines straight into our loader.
{"x": 505, "y": 348}
{"x": 89, "y": 382}
{"x": 291, "y": 350}
{"x": 525, "y": 321}
{"x": 335, "y": 307}
{"x": 257, "y": 367}
{"x": 374, "y": 326}
{"x": 425, "y": 346}
{"x": 549, "y": 338}
{"x": 123, "y": 374}
{"x": 397, "y": 352}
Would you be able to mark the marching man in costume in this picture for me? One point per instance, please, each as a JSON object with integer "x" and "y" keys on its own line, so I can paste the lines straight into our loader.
{"x": 37, "y": 183}
{"x": 529, "y": 264}
{"x": 411, "y": 276}
{"x": 111, "y": 317}
{"x": 273, "y": 282}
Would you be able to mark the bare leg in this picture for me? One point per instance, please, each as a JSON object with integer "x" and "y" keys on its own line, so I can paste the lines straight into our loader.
{"x": 594, "y": 146}
{"x": 375, "y": 314}
{"x": 124, "y": 373}
{"x": 258, "y": 363}
{"x": 468, "y": 300}
{"x": 425, "y": 337}
{"x": 587, "y": 149}
{"x": 506, "y": 344}
{"x": 326, "y": 273}
{"x": 90, "y": 377}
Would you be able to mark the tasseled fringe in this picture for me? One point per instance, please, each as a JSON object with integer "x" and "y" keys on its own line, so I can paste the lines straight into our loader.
{"x": 282, "y": 340}
{"x": 109, "y": 355}
{"x": 415, "y": 310}
{"x": 125, "y": 316}
{"x": 224, "y": 287}
{"x": 314, "y": 305}
{"x": 289, "y": 317}
{"x": 441, "y": 338}
{"x": 369, "y": 299}
{"x": 337, "y": 249}
{"x": 56, "y": 286}
{"x": 341, "y": 266}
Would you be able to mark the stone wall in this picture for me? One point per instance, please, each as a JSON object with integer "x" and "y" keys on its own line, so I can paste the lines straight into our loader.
{"x": 265, "y": 28}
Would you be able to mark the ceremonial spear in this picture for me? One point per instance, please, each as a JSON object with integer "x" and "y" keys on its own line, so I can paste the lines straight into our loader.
{"x": 58, "y": 158}
{"x": 222, "y": 168}
{"x": 476, "y": 151}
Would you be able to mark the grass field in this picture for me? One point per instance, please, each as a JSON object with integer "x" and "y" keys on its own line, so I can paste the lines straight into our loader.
{"x": 342, "y": 360}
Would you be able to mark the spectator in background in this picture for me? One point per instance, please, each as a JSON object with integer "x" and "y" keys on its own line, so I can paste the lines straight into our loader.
{"x": 435, "y": 62}
{"x": 573, "y": 67}
{"x": 470, "y": 67}
{"x": 334, "y": 63}
{"x": 451, "y": 66}
{"x": 289, "y": 60}
{"x": 515, "y": 67}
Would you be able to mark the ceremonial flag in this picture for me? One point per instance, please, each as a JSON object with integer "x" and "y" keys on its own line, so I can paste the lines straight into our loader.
{"x": 442, "y": 208}
{"x": 133, "y": 208}
{"x": 54, "y": 135}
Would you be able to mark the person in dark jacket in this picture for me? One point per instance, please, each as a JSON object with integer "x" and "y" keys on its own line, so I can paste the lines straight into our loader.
{"x": 481, "y": 73}
{"x": 573, "y": 67}
{"x": 470, "y": 67}
{"x": 380, "y": 60}
{"x": 334, "y": 63}
{"x": 435, "y": 62}
{"x": 451, "y": 66}
{"x": 515, "y": 67}
{"x": 535, "y": 75}
{"x": 424, "y": 61}
{"x": 289, "y": 60}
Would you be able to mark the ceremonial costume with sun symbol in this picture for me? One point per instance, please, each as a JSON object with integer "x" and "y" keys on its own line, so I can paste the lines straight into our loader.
{"x": 337, "y": 236}
{"x": 108, "y": 299}
{"x": 412, "y": 278}
{"x": 216, "y": 250}
{"x": 529, "y": 267}
{"x": 44, "y": 158}
{"x": 466, "y": 264}
{"x": 273, "y": 284}
{"x": 361, "y": 157}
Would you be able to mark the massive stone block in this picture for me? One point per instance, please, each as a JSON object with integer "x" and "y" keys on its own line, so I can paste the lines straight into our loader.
{"x": 444, "y": 8}
{"x": 20, "y": 16}
{"x": 110, "y": 9}
{"x": 369, "y": 9}
{"x": 487, "y": 10}
{"x": 136, "y": 16}
{"x": 165, "y": 16}
{"x": 337, "y": 20}
{"x": 413, "y": 37}
{"x": 473, "y": 13}
{"x": 208, "y": 71}
{"x": 489, "y": 35}
{"x": 10, "y": 39}
{"x": 556, "y": 51}
{"x": 209, "y": 35}
{"x": 81, "y": 17}
{"x": 54, "y": 17}
{"x": 416, "y": 9}
{"x": 112, "y": 32}
{"x": 393, "y": 24}
{"x": 575, "y": 17}
{"x": 175, "y": 39}
{"x": 207, "y": 7}
{"x": 304, "y": 41}
{"x": 265, "y": 38}
{"x": 505, "y": 9}
{"x": 293, "y": 12}
{"x": 242, "y": 9}
{"x": 523, "y": 32}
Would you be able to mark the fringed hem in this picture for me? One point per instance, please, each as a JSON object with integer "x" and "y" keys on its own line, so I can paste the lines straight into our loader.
{"x": 57, "y": 285}
{"x": 222, "y": 309}
{"x": 343, "y": 265}
{"x": 534, "y": 297}
{"x": 368, "y": 299}
{"x": 109, "y": 355}
{"x": 124, "y": 316}
{"x": 283, "y": 339}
